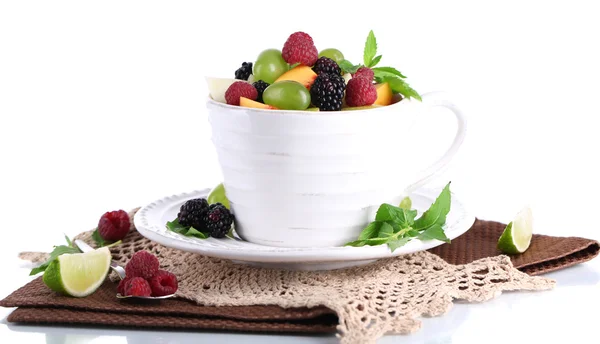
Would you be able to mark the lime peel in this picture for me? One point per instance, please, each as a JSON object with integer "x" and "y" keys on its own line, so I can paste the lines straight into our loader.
{"x": 78, "y": 274}
{"x": 517, "y": 235}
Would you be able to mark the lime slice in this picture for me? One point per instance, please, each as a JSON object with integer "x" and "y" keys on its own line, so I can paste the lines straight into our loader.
{"x": 516, "y": 237}
{"x": 217, "y": 195}
{"x": 78, "y": 274}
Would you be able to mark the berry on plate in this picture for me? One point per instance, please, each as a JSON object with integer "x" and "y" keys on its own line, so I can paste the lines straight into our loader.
{"x": 218, "y": 220}
{"x": 192, "y": 212}
{"x": 114, "y": 225}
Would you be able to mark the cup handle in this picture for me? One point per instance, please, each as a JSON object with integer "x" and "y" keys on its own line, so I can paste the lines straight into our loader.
{"x": 434, "y": 99}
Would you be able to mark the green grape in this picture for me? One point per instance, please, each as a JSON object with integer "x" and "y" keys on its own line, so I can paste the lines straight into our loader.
{"x": 269, "y": 66}
{"x": 287, "y": 95}
{"x": 333, "y": 54}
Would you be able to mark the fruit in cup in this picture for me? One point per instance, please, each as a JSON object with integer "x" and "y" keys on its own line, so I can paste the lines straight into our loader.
{"x": 384, "y": 94}
{"x": 269, "y": 66}
{"x": 217, "y": 87}
{"x": 287, "y": 95}
{"x": 249, "y": 103}
{"x": 329, "y": 81}
{"x": 301, "y": 74}
{"x": 333, "y": 54}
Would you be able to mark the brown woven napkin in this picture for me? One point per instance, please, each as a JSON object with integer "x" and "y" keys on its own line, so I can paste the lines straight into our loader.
{"x": 37, "y": 304}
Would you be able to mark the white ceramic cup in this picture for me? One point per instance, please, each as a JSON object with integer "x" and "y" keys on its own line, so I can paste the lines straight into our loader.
{"x": 316, "y": 179}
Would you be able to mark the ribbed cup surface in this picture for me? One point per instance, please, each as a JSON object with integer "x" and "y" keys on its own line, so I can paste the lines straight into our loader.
{"x": 301, "y": 179}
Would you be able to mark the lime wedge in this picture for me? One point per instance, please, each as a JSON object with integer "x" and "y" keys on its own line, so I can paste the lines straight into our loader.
{"x": 516, "y": 237}
{"x": 217, "y": 195}
{"x": 78, "y": 274}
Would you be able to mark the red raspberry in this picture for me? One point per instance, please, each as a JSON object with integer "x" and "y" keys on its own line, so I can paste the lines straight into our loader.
{"x": 138, "y": 286}
{"x": 360, "y": 92}
{"x": 114, "y": 225}
{"x": 364, "y": 72}
{"x": 122, "y": 285}
{"x": 300, "y": 48}
{"x": 163, "y": 283}
{"x": 240, "y": 89}
{"x": 142, "y": 264}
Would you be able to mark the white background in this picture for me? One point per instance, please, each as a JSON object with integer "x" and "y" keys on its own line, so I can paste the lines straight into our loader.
{"x": 102, "y": 103}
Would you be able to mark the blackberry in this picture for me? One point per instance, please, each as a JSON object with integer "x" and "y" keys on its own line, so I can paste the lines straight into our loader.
{"x": 327, "y": 92}
{"x": 260, "y": 86}
{"x": 192, "y": 213}
{"x": 326, "y": 65}
{"x": 218, "y": 220}
{"x": 243, "y": 73}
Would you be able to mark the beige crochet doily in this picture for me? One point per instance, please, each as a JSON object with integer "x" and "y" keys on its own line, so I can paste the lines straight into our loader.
{"x": 370, "y": 301}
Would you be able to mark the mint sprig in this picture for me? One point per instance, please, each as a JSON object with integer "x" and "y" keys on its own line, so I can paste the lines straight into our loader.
{"x": 56, "y": 252}
{"x": 382, "y": 74}
{"x": 396, "y": 226}
{"x": 188, "y": 231}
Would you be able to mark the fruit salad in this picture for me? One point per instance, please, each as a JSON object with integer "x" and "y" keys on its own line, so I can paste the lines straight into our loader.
{"x": 299, "y": 77}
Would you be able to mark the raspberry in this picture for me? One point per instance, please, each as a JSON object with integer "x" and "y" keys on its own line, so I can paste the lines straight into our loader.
{"x": 138, "y": 286}
{"x": 218, "y": 220}
{"x": 260, "y": 86}
{"x": 326, "y": 65}
{"x": 122, "y": 285}
{"x": 142, "y": 264}
{"x": 360, "y": 92}
{"x": 327, "y": 92}
{"x": 240, "y": 89}
{"x": 163, "y": 283}
{"x": 364, "y": 72}
{"x": 300, "y": 48}
{"x": 114, "y": 225}
{"x": 192, "y": 212}
{"x": 243, "y": 73}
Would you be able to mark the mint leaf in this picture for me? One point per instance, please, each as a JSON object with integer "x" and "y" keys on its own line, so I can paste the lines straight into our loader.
{"x": 404, "y": 218}
{"x": 58, "y": 250}
{"x": 406, "y": 203}
{"x": 436, "y": 214}
{"x": 98, "y": 239}
{"x": 400, "y": 86}
{"x": 370, "y": 231}
{"x": 347, "y": 67}
{"x": 188, "y": 231}
{"x": 370, "y": 48}
{"x": 394, "y": 244}
{"x": 387, "y": 71}
{"x": 69, "y": 242}
{"x": 193, "y": 232}
{"x": 385, "y": 231}
{"x": 434, "y": 232}
{"x": 375, "y": 61}
{"x": 357, "y": 243}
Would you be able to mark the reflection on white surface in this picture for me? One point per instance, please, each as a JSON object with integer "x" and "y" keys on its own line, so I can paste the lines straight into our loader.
{"x": 546, "y": 316}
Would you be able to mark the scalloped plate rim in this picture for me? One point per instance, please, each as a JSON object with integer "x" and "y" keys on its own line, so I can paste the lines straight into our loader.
{"x": 239, "y": 250}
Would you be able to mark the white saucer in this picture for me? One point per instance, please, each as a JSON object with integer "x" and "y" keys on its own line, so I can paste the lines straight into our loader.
{"x": 151, "y": 220}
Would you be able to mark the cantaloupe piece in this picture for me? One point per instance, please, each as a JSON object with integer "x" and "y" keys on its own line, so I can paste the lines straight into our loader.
{"x": 384, "y": 94}
{"x": 245, "y": 102}
{"x": 302, "y": 74}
